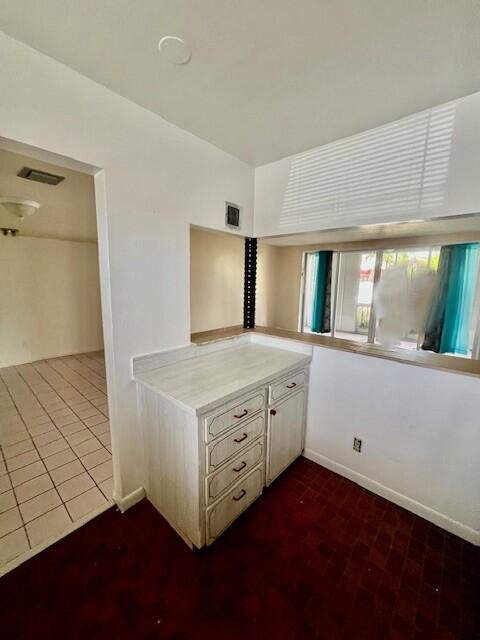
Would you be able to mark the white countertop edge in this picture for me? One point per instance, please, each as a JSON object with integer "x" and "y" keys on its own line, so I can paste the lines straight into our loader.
{"x": 150, "y": 361}
{"x": 155, "y": 360}
{"x": 281, "y": 343}
{"x": 225, "y": 398}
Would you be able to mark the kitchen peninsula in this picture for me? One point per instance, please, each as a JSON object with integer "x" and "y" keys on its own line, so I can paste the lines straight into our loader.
{"x": 220, "y": 421}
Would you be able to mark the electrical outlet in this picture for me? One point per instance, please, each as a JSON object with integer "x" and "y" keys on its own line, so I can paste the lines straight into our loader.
{"x": 357, "y": 445}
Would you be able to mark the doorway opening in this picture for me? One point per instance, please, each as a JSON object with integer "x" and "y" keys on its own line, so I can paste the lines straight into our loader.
{"x": 55, "y": 443}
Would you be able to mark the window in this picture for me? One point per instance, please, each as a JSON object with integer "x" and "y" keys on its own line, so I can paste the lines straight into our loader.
{"x": 383, "y": 297}
{"x": 354, "y": 297}
{"x": 416, "y": 263}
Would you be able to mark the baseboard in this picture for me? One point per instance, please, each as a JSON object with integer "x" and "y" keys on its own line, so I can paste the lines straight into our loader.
{"x": 125, "y": 502}
{"x": 50, "y": 356}
{"x": 443, "y": 521}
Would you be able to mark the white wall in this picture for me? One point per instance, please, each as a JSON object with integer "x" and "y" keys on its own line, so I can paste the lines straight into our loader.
{"x": 157, "y": 180}
{"x": 49, "y": 299}
{"x": 422, "y": 166}
{"x": 420, "y": 427}
{"x": 420, "y": 433}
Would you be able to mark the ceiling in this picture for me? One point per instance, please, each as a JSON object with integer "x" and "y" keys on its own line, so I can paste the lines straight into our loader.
{"x": 67, "y": 211}
{"x": 268, "y": 78}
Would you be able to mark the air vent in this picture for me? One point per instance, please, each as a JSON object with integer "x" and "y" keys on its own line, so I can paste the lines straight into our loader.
{"x": 40, "y": 176}
{"x": 232, "y": 215}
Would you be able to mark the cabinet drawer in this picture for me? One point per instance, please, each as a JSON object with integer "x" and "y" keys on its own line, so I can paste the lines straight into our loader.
{"x": 233, "y": 470}
{"x": 236, "y": 440}
{"x": 221, "y": 514}
{"x": 233, "y": 414}
{"x": 279, "y": 389}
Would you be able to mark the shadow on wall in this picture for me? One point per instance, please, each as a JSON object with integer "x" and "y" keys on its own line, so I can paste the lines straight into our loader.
{"x": 397, "y": 169}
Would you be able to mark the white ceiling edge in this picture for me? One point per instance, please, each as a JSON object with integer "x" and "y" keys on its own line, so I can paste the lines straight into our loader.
{"x": 446, "y": 225}
{"x": 47, "y": 156}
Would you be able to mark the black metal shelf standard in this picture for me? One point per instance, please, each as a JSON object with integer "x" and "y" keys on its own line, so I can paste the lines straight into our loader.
{"x": 250, "y": 283}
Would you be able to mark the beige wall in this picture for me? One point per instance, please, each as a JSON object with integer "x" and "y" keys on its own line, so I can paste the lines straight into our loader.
{"x": 216, "y": 282}
{"x": 268, "y": 264}
{"x": 49, "y": 299}
{"x": 287, "y": 285}
{"x": 279, "y": 272}
{"x": 49, "y": 279}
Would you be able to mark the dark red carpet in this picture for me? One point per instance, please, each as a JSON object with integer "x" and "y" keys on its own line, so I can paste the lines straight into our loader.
{"x": 315, "y": 557}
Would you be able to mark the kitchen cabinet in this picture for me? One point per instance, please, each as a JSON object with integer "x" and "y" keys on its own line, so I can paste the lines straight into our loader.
{"x": 217, "y": 428}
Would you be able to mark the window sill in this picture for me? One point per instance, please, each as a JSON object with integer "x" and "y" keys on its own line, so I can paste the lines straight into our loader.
{"x": 416, "y": 358}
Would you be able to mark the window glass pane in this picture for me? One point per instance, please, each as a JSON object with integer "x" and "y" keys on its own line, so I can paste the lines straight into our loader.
{"x": 355, "y": 295}
{"x": 473, "y": 344}
{"x": 310, "y": 281}
{"x": 403, "y": 295}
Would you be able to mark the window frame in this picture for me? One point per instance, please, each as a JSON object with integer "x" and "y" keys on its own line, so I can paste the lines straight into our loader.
{"x": 379, "y": 252}
{"x": 476, "y": 335}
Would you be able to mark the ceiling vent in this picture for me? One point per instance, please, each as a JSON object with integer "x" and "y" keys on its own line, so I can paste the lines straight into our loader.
{"x": 40, "y": 176}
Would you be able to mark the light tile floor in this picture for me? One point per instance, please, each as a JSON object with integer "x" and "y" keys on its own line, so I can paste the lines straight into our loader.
{"x": 55, "y": 451}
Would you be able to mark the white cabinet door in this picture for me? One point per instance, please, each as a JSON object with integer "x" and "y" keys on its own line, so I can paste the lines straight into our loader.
{"x": 286, "y": 423}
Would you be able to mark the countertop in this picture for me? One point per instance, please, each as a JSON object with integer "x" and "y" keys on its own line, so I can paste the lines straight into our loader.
{"x": 200, "y": 383}
{"x": 427, "y": 359}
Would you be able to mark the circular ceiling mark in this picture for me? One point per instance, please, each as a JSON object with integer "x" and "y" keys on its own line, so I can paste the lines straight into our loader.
{"x": 175, "y": 50}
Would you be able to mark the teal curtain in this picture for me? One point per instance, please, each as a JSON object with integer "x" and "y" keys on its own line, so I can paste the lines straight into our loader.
{"x": 322, "y": 285}
{"x": 448, "y": 323}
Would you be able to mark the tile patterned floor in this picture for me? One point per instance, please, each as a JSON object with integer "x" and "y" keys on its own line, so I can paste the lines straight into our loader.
{"x": 316, "y": 557}
{"x": 55, "y": 450}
